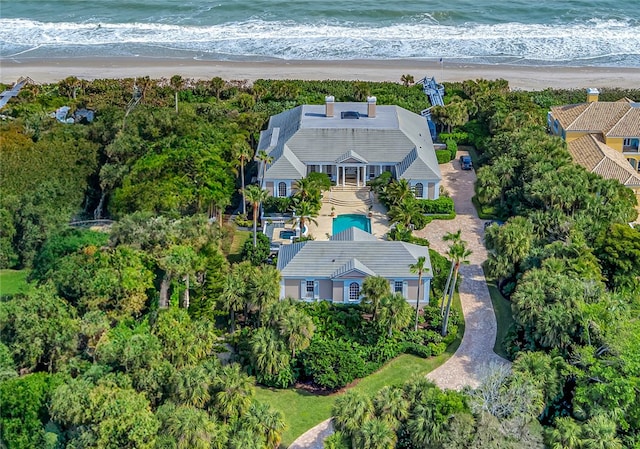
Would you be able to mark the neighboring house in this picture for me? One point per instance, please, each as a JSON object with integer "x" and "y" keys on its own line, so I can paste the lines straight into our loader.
{"x": 335, "y": 269}
{"x": 603, "y": 137}
{"x": 350, "y": 142}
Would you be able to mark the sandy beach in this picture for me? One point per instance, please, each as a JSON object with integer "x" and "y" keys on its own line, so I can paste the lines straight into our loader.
{"x": 519, "y": 77}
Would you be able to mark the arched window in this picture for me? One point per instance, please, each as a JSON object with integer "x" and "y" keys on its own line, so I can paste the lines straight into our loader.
{"x": 354, "y": 291}
{"x": 419, "y": 190}
{"x": 282, "y": 189}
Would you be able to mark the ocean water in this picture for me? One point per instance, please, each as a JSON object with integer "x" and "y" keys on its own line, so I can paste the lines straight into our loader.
{"x": 572, "y": 32}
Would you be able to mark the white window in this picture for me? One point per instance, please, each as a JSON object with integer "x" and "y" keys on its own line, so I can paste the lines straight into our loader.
{"x": 354, "y": 291}
{"x": 282, "y": 189}
{"x": 310, "y": 289}
{"x": 419, "y": 190}
{"x": 397, "y": 286}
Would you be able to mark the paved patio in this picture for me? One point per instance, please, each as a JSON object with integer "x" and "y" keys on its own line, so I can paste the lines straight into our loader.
{"x": 353, "y": 202}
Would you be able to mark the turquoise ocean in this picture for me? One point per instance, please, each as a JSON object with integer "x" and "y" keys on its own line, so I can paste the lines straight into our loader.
{"x": 541, "y": 32}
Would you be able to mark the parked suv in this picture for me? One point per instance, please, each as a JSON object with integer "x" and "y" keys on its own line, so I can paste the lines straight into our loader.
{"x": 465, "y": 163}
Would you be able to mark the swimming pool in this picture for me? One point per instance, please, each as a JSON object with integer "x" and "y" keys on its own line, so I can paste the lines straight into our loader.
{"x": 286, "y": 234}
{"x": 342, "y": 222}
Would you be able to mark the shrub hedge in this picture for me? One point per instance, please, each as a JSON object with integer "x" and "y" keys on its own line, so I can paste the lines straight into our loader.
{"x": 443, "y": 156}
{"x": 443, "y": 205}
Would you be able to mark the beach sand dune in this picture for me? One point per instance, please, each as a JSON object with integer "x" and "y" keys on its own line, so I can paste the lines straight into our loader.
{"x": 519, "y": 77}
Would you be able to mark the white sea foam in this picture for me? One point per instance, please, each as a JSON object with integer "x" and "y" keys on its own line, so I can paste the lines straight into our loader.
{"x": 588, "y": 39}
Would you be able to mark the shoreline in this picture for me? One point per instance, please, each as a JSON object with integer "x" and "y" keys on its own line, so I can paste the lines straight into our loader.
{"x": 519, "y": 76}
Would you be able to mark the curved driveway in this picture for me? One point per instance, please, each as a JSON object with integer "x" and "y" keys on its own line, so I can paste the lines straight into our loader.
{"x": 466, "y": 366}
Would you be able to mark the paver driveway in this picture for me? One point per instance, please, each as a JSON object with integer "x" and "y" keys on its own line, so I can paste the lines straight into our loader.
{"x": 466, "y": 366}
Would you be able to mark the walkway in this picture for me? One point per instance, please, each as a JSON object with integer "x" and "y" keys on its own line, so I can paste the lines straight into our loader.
{"x": 465, "y": 367}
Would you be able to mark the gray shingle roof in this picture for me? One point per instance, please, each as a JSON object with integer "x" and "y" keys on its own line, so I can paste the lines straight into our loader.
{"x": 353, "y": 234}
{"x": 386, "y": 139}
{"x": 323, "y": 259}
{"x": 351, "y": 265}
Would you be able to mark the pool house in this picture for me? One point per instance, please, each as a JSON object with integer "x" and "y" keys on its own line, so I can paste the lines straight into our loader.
{"x": 335, "y": 269}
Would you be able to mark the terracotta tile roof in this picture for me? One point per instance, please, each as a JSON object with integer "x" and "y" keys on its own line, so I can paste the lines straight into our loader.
{"x": 599, "y": 116}
{"x": 568, "y": 113}
{"x": 591, "y": 153}
{"x": 628, "y": 125}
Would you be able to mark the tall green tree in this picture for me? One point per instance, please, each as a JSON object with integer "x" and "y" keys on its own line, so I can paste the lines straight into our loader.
{"x": 350, "y": 412}
{"x": 256, "y": 196}
{"x": 449, "y": 237}
{"x": 460, "y": 255}
{"x": 420, "y": 268}
{"x": 374, "y": 288}
{"x": 395, "y": 313}
{"x": 242, "y": 152}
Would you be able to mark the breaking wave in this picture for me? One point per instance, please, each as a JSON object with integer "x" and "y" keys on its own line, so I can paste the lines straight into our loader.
{"x": 610, "y": 42}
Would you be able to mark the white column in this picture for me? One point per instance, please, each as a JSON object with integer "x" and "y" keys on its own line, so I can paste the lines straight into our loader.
{"x": 320, "y": 168}
{"x": 358, "y": 176}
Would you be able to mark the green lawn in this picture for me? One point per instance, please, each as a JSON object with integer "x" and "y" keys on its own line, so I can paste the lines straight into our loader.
{"x": 502, "y": 309}
{"x": 239, "y": 237}
{"x": 303, "y": 410}
{"x": 13, "y": 281}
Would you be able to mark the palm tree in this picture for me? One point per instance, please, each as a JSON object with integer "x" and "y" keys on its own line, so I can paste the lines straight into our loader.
{"x": 419, "y": 268}
{"x": 391, "y": 405}
{"x": 256, "y": 196}
{"x": 426, "y": 430}
{"x": 306, "y": 190}
{"x": 265, "y": 159}
{"x": 246, "y": 438}
{"x": 405, "y": 212}
{"x": 235, "y": 393}
{"x": 268, "y": 422}
{"x": 377, "y": 434}
{"x": 217, "y": 84}
{"x": 396, "y": 192}
{"x": 599, "y": 432}
{"x": 305, "y": 211}
{"x": 177, "y": 83}
{"x": 190, "y": 427}
{"x": 232, "y": 296}
{"x": 565, "y": 434}
{"x": 407, "y": 80}
{"x": 268, "y": 352}
{"x": 449, "y": 237}
{"x": 242, "y": 152}
{"x": 297, "y": 328}
{"x": 264, "y": 287}
{"x": 395, "y": 312}
{"x": 191, "y": 386}
{"x": 374, "y": 288}
{"x": 460, "y": 255}
{"x": 350, "y": 412}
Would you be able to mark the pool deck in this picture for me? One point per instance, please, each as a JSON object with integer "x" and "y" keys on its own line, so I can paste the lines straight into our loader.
{"x": 324, "y": 228}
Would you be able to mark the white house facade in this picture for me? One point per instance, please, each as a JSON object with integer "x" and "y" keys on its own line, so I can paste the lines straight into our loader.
{"x": 335, "y": 269}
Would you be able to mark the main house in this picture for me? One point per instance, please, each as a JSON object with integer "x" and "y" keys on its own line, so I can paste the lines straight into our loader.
{"x": 334, "y": 269}
{"x": 350, "y": 142}
{"x": 603, "y": 137}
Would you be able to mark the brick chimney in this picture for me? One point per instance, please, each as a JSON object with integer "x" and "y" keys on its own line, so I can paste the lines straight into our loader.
{"x": 371, "y": 107}
{"x": 592, "y": 95}
{"x": 328, "y": 105}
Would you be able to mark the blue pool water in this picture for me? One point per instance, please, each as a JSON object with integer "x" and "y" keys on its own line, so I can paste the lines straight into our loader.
{"x": 342, "y": 222}
{"x": 287, "y": 234}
